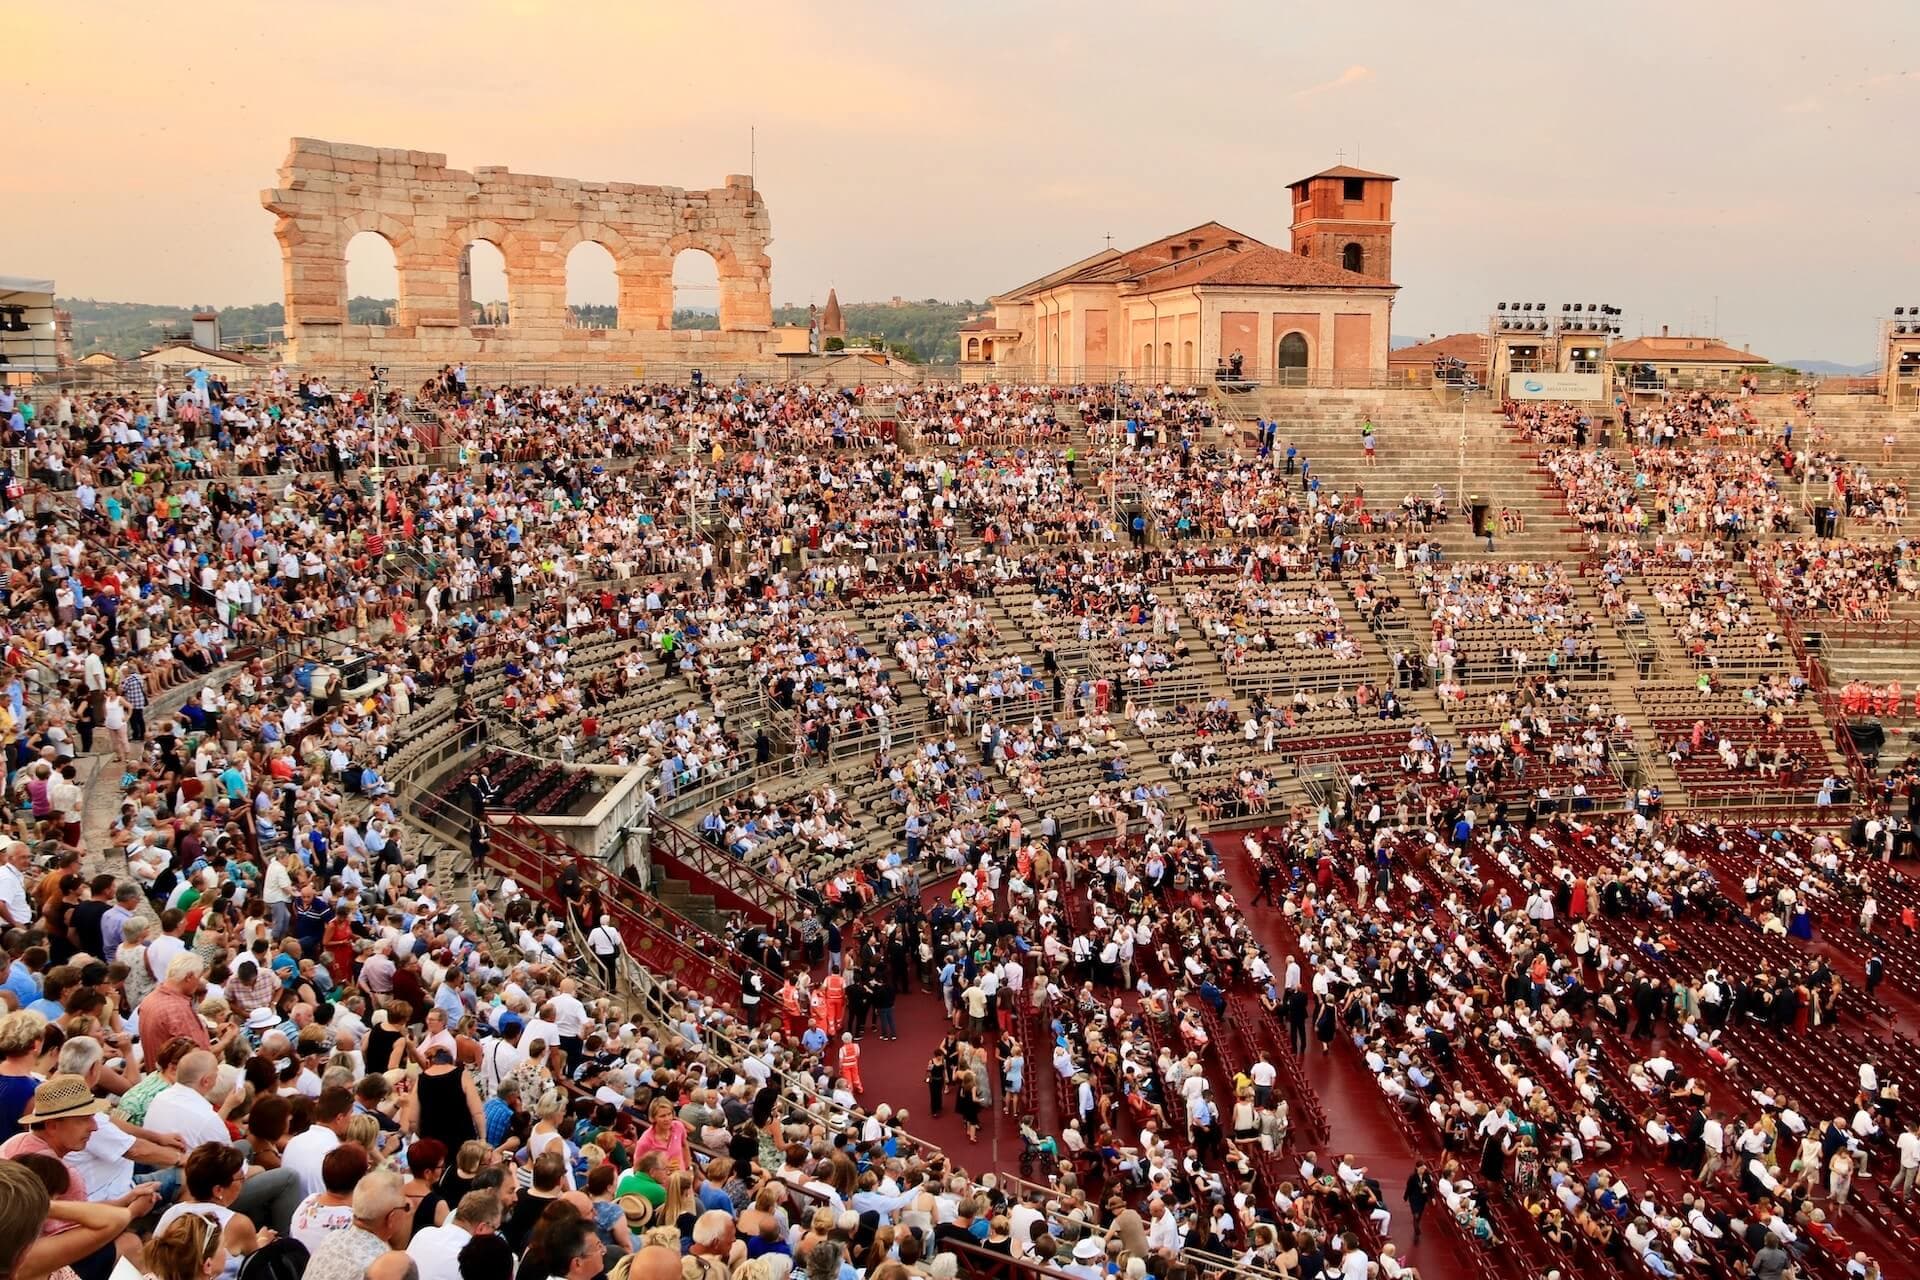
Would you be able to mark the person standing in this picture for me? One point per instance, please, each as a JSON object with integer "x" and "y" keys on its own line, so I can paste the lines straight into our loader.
{"x": 937, "y": 1082}
{"x": 1420, "y": 1189}
{"x": 133, "y": 687}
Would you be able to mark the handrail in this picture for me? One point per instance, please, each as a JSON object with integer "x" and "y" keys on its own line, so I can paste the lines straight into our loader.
{"x": 526, "y": 853}
{"x": 763, "y": 892}
{"x": 619, "y": 896}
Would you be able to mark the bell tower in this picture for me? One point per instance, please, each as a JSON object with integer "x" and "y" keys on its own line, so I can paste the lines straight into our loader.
{"x": 1344, "y": 216}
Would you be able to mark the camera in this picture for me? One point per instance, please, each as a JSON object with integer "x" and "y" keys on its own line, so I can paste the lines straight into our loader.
{"x": 377, "y": 372}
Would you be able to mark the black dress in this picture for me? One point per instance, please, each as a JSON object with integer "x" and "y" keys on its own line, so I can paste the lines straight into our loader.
{"x": 443, "y": 1107}
{"x": 378, "y": 1051}
{"x": 937, "y": 1085}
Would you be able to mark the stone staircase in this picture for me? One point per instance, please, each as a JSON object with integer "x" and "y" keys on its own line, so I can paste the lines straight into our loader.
{"x": 1143, "y": 765}
{"x": 1419, "y": 442}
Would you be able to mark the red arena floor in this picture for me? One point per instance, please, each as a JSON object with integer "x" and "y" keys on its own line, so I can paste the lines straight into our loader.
{"x": 1755, "y": 1073}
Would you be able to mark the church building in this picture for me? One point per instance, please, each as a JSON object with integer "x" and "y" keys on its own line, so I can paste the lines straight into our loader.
{"x": 1183, "y": 306}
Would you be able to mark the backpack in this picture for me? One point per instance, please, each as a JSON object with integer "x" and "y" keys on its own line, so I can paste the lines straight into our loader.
{"x": 284, "y": 1259}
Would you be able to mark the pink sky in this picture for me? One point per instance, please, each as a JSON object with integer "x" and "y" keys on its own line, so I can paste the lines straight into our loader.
{"x": 1670, "y": 159}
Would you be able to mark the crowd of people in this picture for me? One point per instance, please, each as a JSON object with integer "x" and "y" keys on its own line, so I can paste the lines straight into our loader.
{"x": 256, "y": 1026}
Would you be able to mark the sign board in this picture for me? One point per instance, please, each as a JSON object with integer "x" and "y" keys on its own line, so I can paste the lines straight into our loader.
{"x": 1555, "y": 386}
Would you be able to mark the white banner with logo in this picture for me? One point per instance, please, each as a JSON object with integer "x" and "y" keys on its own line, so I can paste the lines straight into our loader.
{"x": 1555, "y": 386}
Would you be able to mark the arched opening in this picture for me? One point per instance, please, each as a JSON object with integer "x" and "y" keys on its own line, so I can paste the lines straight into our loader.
{"x": 483, "y": 285}
{"x": 593, "y": 291}
{"x": 973, "y": 348}
{"x": 1166, "y": 357}
{"x": 1146, "y": 357}
{"x": 1292, "y": 353}
{"x": 373, "y": 279}
{"x": 986, "y": 349}
{"x": 1354, "y": 258}
{"x": 1186, "y": 355}
{"x": 696, "y": 290}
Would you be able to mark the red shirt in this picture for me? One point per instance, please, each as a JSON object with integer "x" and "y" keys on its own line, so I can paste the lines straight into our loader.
{"x": 164, "y": 1014}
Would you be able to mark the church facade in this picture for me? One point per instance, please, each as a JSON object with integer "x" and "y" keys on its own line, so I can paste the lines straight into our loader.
{"x": 1183, "y": 307}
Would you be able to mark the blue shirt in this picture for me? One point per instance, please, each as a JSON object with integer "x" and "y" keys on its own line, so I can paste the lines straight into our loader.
{"x": 23, "y": 984}
{"x": 499, "y": 1117}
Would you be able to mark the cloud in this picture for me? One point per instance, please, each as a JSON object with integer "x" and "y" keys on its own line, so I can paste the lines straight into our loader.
{"x": 1892, "y": 77}
{"x": 1353, "y": 75}
{"x": 1806, "y": 106}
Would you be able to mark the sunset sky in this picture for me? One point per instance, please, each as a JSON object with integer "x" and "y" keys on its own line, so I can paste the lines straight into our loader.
{"x": 1676, "y": 160}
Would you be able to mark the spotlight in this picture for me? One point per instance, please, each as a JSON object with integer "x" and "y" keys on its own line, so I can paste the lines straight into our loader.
{"x": 1899, "y": 311}
{"x": 1541, "y": 307}
{"x": 1501, "y": 306}
{"x": 1566, "y": 306}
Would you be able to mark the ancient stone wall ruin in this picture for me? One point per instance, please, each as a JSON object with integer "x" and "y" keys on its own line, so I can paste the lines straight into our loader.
{"x": 330, "y": 191}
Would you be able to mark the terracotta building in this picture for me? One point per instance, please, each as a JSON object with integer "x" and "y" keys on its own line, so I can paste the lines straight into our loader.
{"x": 1673, "y": 361}
{"x": 1183, "y": 306}
{"x": 832, "y": 323}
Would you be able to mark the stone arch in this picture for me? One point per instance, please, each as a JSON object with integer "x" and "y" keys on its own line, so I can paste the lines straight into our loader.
{"x": 1354, "y": 258}
{"x": 399, "y": 238}
{"x": 973, "y": 348}
{"x": 462, "y": 238}
{"x": 586, "y": 264}
{"x": 1293, "y": 351}
{"x": 369, "y": 267}
{"x": 744, "y": 290}
{"x": 695, "y": 276}
{"x": 430, "y": 213}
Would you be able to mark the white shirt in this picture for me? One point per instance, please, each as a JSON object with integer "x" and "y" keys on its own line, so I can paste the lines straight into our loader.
{"x": 497, "y": 1062}
{"x": 13, "y": 892}
{"x": 569, "y": 1016}
{"x": 178, "y": 1109}
{"x": 436, "y": 1250}
{"x": 305, "y": 1153}
{"x": 102, "y": 1164}
{"x": 1909, "y": 1144}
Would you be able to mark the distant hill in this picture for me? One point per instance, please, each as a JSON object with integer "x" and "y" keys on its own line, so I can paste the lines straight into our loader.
{"x": 1395, "y": 341}
{"x": 1830, "y": 369}
{"x": 917, "y": 330}
{"x": 128, "y": 328}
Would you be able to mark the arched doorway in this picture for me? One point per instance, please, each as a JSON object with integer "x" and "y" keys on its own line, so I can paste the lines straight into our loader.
{"x": 484, "y": 287}
{"x": 696, "y": 290}
{"x": 973, "y": 348}
{"x": 1291, "y": 355}
{"x": 593, "y": 290}
{"x": 373, "y": 279}
{"x": 1354, "y": 258}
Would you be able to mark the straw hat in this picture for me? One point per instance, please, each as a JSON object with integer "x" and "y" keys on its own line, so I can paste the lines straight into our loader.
{"x": 63, "y": 1097}
{"x": 638, "y": 1208}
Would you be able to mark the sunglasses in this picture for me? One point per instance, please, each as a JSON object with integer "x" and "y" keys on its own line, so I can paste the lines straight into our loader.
{"x": 211, "y": 1244}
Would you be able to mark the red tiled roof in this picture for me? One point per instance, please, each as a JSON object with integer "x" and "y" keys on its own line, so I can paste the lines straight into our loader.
{"x": 1344, "y": 171}
{"x": 1470, "y": 347}
{"x": 237, "y": 357}
{"x": 1112, "y": 266}
{"x": 1255, "y": 267}
{"x": 1664, "y": 350}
